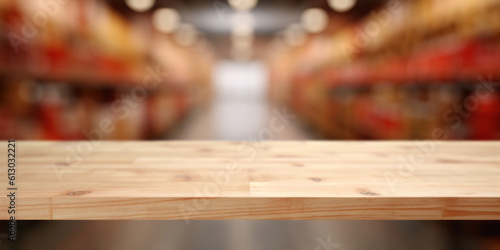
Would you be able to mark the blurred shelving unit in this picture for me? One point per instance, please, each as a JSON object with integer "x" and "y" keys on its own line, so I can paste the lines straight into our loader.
{"x": 86, "y": 63}
{"x": 399, "y": 73}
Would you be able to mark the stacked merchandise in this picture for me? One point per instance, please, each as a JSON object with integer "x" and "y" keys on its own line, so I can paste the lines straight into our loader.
{"x": 410, "y": 70}
{"x": 78, "y": 69}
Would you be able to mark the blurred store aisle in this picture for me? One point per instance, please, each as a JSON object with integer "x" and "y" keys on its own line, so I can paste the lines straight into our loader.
{"x": 202, "y": 124}
{"x": 240, "y": 109}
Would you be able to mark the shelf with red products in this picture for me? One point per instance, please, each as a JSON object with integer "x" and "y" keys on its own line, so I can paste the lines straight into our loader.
{"x": 435, "y": 69}
{"x": 450, "y": 62}
{"x": 89, "y": 66}
{"x": 33, "y": 110}
{"x": 465, "y": 111}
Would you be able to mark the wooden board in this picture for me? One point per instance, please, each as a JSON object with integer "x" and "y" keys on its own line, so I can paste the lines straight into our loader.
{"x": 179, "y": 180}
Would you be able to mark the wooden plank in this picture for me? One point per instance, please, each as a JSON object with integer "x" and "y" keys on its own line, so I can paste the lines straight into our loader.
{"x": 391, "y": 180}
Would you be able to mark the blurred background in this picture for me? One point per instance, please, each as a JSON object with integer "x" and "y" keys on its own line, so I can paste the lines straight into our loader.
{"x": 223, "y": 70}
{"x": 365, "y": 69}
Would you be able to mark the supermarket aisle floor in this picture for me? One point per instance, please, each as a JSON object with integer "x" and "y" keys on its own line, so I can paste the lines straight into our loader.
{"x": 242, "y": 235}
{"x": 242, "y": 122}
{"x": 240, "y": 111}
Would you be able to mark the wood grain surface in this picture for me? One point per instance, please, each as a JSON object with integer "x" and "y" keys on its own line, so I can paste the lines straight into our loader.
{"x": 184, "y": 180}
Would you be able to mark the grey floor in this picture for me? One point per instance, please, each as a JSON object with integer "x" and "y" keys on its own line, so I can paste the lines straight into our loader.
{"x": 240, "y": 109}
{"x": 242, "y": 121}
{"x": 240, "y": 235}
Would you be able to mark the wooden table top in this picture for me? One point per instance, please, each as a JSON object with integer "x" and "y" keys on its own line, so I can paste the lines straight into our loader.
{"x": 184, "y": 180}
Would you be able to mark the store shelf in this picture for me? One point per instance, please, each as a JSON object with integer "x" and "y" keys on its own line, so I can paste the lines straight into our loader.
{"x": 401, "y": 82}
{"x": 263, "y": 180}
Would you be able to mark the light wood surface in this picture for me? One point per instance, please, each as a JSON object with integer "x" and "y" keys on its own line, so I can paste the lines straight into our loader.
{"x": 255, "y": 180}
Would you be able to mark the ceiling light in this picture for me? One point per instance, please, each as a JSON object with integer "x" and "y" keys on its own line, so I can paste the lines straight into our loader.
{"x": 314, "y": 20}
{"x": 341, "y": 5}
{"x": 243, "y": 4}
{"x": 166, "y": 20}
{"x": 140, "y": 5}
